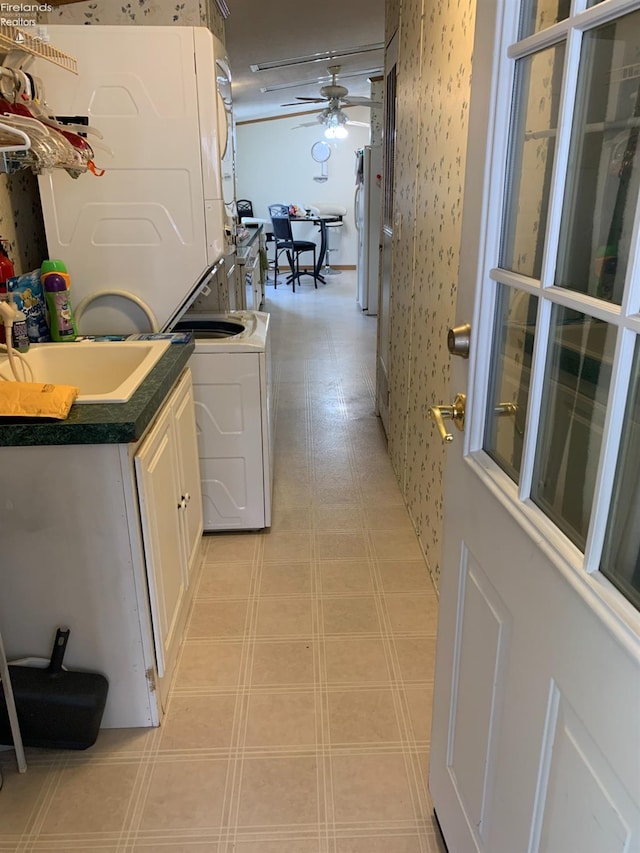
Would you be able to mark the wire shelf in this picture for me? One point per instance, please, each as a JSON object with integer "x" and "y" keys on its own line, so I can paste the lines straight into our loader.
{"x": 19, "y": 42}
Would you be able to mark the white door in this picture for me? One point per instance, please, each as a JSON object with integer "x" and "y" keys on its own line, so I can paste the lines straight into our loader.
{"x": 536, "y": 721}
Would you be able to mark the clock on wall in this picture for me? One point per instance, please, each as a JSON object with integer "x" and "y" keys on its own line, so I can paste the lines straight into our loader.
{"x": 321, "y": 151}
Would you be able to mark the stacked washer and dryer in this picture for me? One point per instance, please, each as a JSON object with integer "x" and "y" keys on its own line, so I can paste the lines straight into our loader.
{"x": 146, "y": 239}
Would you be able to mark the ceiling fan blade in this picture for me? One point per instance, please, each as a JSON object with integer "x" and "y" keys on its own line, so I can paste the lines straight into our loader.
{"x": 301, "y": 101}
{"x": 307, "y": 124}
{"x": 358, "y": 123}
{"x": 361, "y": 102}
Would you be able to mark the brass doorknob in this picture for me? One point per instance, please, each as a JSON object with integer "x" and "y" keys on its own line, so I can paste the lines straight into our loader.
{"x": 454, "y": 412}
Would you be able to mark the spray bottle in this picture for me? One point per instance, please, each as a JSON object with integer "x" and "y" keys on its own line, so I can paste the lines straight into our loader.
{"x": 19, "y": 335}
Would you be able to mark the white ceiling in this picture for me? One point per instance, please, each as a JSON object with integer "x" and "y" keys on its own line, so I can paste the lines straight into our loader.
{"x": 259, "y": 31}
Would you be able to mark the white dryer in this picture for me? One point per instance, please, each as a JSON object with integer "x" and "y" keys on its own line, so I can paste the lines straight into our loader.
{"x": 232, "y": 387}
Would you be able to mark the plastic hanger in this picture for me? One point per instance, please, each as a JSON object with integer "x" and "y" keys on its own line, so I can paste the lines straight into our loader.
{"x": 7, "y": 147}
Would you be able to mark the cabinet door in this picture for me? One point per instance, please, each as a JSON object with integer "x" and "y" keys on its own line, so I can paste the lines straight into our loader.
{"x": 188, "y": 471}
{"x": 161, "y": 508}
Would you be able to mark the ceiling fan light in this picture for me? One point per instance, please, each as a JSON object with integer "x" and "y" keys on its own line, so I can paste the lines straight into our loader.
{"x": 336, "y": 131}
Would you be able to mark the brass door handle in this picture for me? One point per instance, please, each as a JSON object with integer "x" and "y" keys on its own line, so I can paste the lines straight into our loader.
{"x": 506, "y": 409}
{"x": 454, "y": 412}
{"x": 510, "y": 409}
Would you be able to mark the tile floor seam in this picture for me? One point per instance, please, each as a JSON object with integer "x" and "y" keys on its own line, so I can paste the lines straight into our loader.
{"x": 30, "y": 838}
{"x": 143, "y": 778}
{"x": 416, "y": 789}
{"x": 324, "y": 799}
{"x": 135, "y": 807}
{"x": 323, "y": 704}
{"x": 232, "y": 792}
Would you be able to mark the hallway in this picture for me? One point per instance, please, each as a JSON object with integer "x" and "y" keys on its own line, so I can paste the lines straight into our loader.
{"x": 299, "y": 718}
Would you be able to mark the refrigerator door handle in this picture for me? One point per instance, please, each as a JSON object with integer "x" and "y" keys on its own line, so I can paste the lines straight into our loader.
{"x": 356, "y": 199}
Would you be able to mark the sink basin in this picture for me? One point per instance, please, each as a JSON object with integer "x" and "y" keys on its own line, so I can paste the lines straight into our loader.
{"x": 105, "y": 372}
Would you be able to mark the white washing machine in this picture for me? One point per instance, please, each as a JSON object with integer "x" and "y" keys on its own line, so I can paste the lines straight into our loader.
{"x": 232, "y": 387}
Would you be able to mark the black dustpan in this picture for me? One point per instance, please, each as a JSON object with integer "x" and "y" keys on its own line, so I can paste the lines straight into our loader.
{"x": 57, "y": 708}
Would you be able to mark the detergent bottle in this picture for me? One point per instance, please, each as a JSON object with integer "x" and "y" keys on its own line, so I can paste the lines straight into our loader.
{"x": 58, "y": 298}
{"x": 52, "y": 265}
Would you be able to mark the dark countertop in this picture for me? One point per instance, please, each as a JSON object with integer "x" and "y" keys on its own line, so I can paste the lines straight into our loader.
{"x": 101, "y": 423}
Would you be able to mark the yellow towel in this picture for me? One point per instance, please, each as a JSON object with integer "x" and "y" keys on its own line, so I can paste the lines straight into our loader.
{"x": 36, "y": 399}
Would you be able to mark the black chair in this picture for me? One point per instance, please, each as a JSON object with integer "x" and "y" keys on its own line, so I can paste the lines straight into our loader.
{"x": 244, "y": 207}
{"x": 283, "y": 234}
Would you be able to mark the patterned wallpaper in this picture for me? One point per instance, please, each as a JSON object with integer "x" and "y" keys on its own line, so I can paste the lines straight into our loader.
{"x": 408, "y": 180}
{"x": 21, "y": 220}
{"x": 434, "y": 75}
{"x": 190, "y": 13}
{"x": 391, "y": 19}
{"x": 377, "y": 94}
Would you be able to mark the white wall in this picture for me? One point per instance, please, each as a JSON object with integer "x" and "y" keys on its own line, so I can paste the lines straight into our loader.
{"x": 274, "y": 164}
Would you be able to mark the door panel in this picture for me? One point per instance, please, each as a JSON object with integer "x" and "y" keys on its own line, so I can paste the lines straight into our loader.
{"x": 592, "y": 816}
{"x": 478, "y": 686}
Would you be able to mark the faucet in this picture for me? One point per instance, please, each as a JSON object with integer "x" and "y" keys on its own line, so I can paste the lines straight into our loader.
{"x": 8, "y": 313}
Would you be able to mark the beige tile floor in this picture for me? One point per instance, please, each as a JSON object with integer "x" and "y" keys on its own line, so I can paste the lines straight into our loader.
{"x": 299, "y": 718}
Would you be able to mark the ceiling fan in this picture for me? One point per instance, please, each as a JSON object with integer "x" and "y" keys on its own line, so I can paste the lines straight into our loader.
{"x": 334, "y": 96}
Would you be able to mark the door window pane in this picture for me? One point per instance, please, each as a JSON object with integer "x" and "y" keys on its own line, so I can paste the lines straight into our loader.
{"x": 508, "y": 397}
{"x": 575, "y": 395}
{"x": 533, "y": 143}
{"x": 538, "y": 14}
{"x": 602, "y": 185}
{"x": 621, "y": 556}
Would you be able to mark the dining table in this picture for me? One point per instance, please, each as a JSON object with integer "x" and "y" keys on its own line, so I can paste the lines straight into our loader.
{"x": 322, "y": 222}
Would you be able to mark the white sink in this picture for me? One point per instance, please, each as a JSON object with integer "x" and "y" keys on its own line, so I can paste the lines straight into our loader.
{"x": 104, "y": 371}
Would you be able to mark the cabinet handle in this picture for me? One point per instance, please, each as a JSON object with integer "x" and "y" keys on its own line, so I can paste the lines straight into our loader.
{"x": 182, "y": 504}
{"x": 187, "y": 497}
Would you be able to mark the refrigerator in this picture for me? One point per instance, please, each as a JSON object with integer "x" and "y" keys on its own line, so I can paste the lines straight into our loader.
{"x": 138, "y": 239}
{"x": 368, "y": 213}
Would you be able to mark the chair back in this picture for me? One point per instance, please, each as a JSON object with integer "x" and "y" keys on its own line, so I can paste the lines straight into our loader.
{"x": 281, "y": 222}
{"x": 244, "y": 207}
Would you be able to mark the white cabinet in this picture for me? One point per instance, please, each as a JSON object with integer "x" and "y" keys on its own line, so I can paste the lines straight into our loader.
{"x": 167, "y": 474}
{"x": 75, "y": 553}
